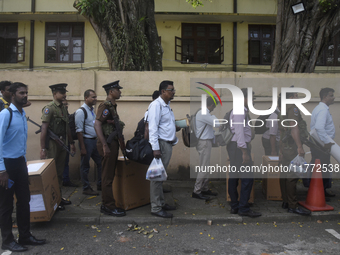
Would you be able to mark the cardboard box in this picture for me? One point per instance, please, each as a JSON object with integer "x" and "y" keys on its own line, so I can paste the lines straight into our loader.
{"x": 271, "y": 182}
{"x": 44, "y": 189}
{"x": 252, "y": 196}
{"x": 130, "y": 189}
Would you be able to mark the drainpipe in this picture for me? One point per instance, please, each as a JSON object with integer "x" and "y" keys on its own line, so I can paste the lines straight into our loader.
{"x": 235, "y": 40}
{"x": 32, "y": 37}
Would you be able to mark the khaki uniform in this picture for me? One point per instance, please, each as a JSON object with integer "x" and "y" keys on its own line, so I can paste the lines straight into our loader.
{"x": 289, "y": 151}
{"x": 104, "y": 113}
{"x": 56, "y": 115}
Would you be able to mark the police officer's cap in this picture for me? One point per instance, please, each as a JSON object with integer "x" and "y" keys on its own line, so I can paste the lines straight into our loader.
{"x": 61, "y": 87}
{"x": 112, "y": 85}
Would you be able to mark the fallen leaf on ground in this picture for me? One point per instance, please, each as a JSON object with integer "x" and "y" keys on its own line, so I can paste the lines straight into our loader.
{"x": 319, "y": 221}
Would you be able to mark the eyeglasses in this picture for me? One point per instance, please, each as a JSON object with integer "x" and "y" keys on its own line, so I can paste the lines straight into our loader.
{"x": 172, "y": 90}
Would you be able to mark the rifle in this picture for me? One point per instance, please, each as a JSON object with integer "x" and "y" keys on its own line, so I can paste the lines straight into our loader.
{"x": 53, "y": 136}
{"x": 118, "y": 132}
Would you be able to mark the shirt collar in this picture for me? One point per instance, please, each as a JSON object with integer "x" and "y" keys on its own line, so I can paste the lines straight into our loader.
{"x": 162, "y": 101}
{"x": 88, "y": 107}
{"x": 13, "y": 107}
{"x": 324, "y": 105}
{"x": 57, "y": 103}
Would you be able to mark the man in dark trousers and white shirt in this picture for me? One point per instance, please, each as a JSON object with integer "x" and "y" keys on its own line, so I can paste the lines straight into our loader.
{"x": 239, "y": 151}
{"x": 323, "y": 124}
{"x": 162, "y": 136}
{"x": 13, "y": 137}
{"x": 205, "y": 133}
{"x": 87, "y": 138}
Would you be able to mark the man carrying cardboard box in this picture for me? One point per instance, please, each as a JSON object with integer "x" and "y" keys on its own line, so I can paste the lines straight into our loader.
{"x": 13, "y": 172}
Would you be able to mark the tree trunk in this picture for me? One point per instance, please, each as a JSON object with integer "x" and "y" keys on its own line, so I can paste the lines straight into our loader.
{"x": 300, "y": 38}
{"x": 127, "y": 32}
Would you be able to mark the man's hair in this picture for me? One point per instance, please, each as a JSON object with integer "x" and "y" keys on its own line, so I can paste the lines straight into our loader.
{"x": 88, "y": 92}
{"x": 155, "y": 95}
{"x": 14, "y": 86}
{"x": 4, "y": 84}
{"x": 211, "y": 101}
{"x": 108, "y": 91}
{"x": 324, "y": 92}
{"x": 164, "y": 85}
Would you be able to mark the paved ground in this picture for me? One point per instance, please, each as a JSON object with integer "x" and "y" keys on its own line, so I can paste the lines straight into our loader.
{"x": 189, "y": 210}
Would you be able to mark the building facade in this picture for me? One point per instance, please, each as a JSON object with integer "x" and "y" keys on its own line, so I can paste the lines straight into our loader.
{"x": 224, "y": 35}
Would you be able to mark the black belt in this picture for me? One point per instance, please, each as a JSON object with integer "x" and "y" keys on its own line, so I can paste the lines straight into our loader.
{"x": 94, "y": 138}
{"x": 170, "y": 142}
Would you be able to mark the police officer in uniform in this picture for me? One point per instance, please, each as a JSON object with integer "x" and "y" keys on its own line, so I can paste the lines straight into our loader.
{"x": 55, "y": 118}
{"x": 104, "y": 126}
{"x": 290, "y": 147}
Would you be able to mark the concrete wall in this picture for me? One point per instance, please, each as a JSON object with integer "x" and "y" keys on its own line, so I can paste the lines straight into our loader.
{"x": 136, "y": 96}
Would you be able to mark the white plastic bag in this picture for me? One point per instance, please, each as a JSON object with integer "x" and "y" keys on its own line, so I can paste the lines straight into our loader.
{"x": 298, "y": 166}
{"x": 156, "y": 171}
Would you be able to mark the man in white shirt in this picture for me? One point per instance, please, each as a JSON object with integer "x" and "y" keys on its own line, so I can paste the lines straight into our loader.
{"x": 87, "y": 138}
{"x": 205, "y": 135}
{"x": 323, "y": 124}
{"x": 162, "y": 136}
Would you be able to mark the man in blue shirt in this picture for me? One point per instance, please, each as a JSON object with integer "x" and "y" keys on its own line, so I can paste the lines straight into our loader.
{"x": 87, "y": 138}
{"x": 323, "y": 124}
{"x": 13, "y": 137}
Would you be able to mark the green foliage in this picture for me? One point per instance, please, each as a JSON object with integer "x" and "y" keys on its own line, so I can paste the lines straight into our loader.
{"x": 327, "y": 5}
{"x": 128, "y": 43}
{"x": 196, "y": 3}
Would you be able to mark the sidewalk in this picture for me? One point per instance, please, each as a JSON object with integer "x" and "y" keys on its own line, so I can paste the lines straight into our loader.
{"x": 86, "y": 209}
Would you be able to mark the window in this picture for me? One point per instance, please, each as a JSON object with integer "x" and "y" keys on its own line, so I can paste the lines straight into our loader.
{"x": 261, "y": 44}
{"x": 330, "y": 55}
{"x": 12, "y": 48}
{"x": 64, "y": 43}
{"x": 200, "y": 43}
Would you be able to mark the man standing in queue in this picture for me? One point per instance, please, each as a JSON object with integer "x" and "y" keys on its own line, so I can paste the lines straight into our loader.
{"x": 14, "y": 173}
{"x": 290, "y": 147}
{"x": 162, "y": 136}
{"x": 104, "y": 126}
{"x": 239, "y": 151}
{"x": 55, "y": 118}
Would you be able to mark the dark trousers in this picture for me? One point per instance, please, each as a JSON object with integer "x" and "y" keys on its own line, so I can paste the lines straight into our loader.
{"x": 92, "y": 152}
{"x": 17, "y": 171}
{"x": 268, "y": 146}
{"x": 326, "y": 176}
{"x": 108, "y": 173}
{"x": 235, "y": 156}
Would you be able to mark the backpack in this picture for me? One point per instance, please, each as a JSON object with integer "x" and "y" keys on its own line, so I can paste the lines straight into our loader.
{"x": 224, "y": 135}
{"x": 10, "y": 116}
{"x": 2, "y": 105}
{"x": 189, "y": 133}
{"x": 139, "y": 149}
{"x": 72, "y": 123}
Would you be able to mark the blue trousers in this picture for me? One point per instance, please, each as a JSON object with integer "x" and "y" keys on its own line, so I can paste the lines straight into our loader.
{"x": 235, "y": 156}
{"x": 92, "y": 152}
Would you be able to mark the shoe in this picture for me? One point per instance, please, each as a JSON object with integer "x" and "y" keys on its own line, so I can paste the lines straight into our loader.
{"x": 284, "y": 205}
{"x": 99, "y": 187}
{"x": 299, "y": 210}
{"x": 90, "y": 192}
{"x": 114, "y": 212}
{"x": 32, "y": 241}
{"x": 168, "y": 207}
{"x": 250, "y": 213}
{"x": 162, "y": 213}
{"x": 329, "y": 194}
{"x": 65, "y": 202}
{"x": 69, "y": 184}
{"x": 209, "y": 193}
{"x": 199, "y": 196}
{"x": 14, "y": 246}
{"x": 60, "y": 208}
{"x": 234, "y": 211}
